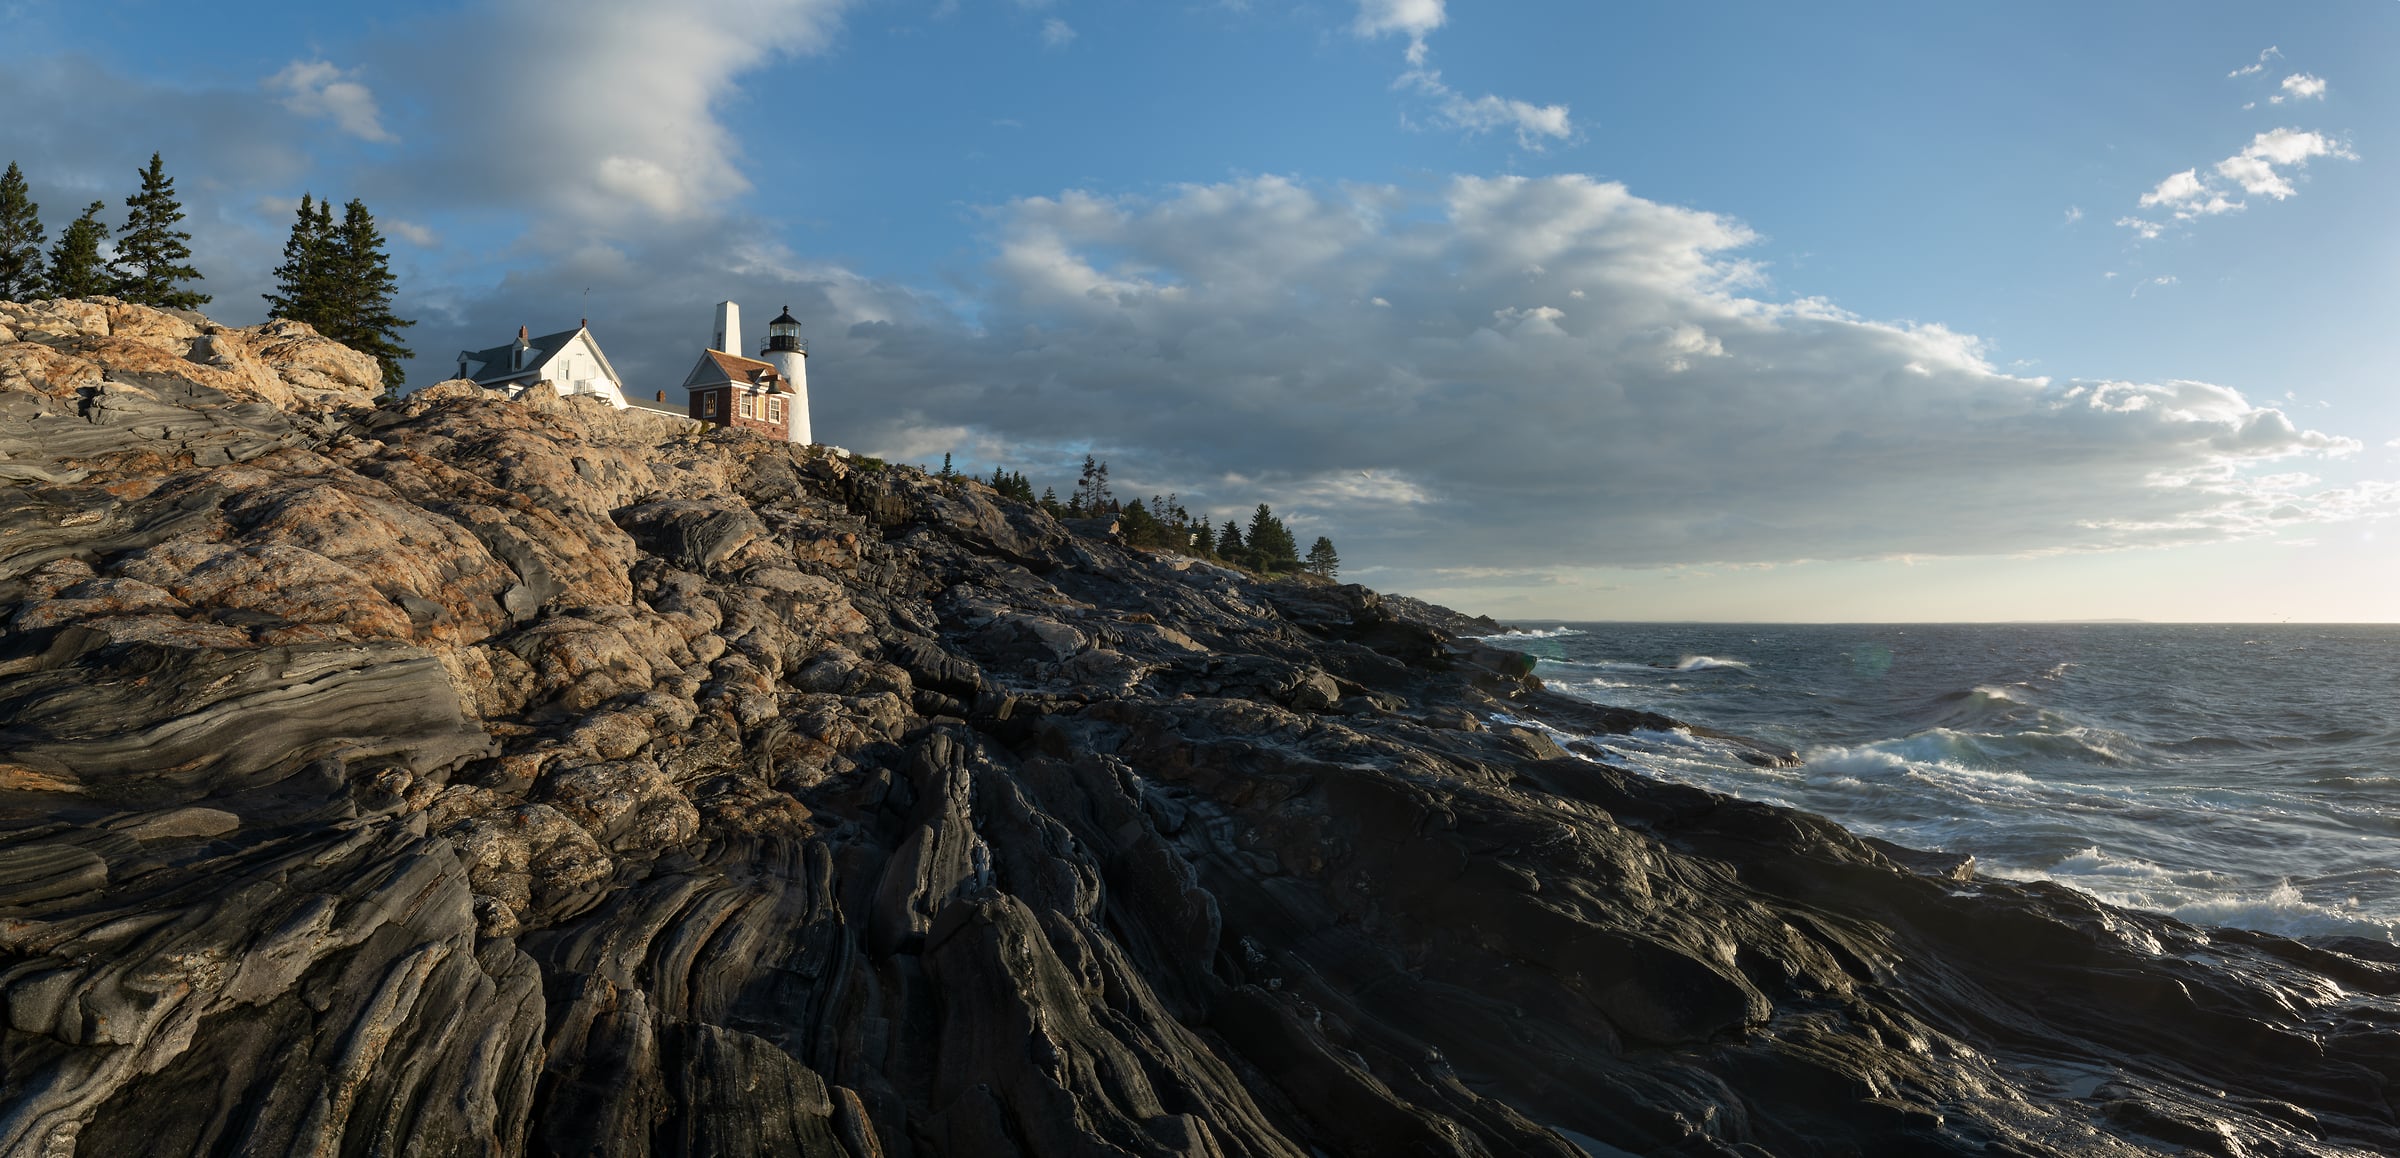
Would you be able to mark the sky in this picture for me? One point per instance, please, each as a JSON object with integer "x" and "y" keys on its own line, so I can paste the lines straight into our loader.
{"x": 1553, "y": 309}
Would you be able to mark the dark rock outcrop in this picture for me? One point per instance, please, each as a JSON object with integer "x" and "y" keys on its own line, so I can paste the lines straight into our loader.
{"x": 477, "y": 777}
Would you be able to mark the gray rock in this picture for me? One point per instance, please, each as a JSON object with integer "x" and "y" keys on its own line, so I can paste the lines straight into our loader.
{"x": 550, "y": 783}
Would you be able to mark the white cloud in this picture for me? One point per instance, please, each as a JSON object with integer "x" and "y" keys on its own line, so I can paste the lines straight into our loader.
{"x": 2074, "y": 214}
{"x": 316, "y": 88}
{"x": 1414, "y": 19}
{"x": 413, "y": 233}
{"x": 2255, "y": 167}
{"x": 2176, "y": 190}
{"x": 1534, "y": 125}
{"x": 613, "y": 122}
{"x": 2257, "y": 66}
{"x": 2300, "y": 86}
{"x": 2259, "y": 170}
{"x": 1056, "y": 33}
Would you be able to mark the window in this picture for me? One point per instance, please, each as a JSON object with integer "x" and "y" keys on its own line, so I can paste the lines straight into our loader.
{"x": 708, "y": 406}
{"x": 774, "y": 409}
{"x": 745, "y": 404}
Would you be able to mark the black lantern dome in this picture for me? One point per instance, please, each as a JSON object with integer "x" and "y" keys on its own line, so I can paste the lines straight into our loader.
{"x": 784, "y": 333}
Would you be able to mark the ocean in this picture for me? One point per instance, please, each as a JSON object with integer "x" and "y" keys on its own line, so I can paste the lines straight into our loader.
{"x": 2239, "y": 775}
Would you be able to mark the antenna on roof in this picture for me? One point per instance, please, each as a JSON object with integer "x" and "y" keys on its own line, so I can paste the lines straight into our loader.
{"x": 585, "y": 322}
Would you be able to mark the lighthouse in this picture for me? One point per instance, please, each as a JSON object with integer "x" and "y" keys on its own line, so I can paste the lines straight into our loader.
{"x": 789, "y": 355}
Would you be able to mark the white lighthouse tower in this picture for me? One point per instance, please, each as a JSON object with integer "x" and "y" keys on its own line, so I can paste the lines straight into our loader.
{"x": 789, "y": 355}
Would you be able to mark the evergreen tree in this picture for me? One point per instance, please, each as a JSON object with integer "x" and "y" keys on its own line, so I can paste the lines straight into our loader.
{"x": 21, "y": 238}
{"x": 948, "y": 472}
{"x": 152, "y": 255}
{"x": 1010, "y": 484}
{"x": 304, "y": 289}
{"x": 1271, "y": 546}
{"x": 1204, "y": 539}
{"x": 1050, "y": 503}
{"x": 1322, "y": 562}
{"x": 1229, "y": 542}
{"x": 76, "y": 270}
{"x": 363, "y": 288}
{"x": 1091, "y": 490}
{"x": 1144, "y": 529}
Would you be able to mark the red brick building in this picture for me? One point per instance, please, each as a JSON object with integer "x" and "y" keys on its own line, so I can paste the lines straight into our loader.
{"x": 727, "y": 389}
{"x": 744, "y": 393}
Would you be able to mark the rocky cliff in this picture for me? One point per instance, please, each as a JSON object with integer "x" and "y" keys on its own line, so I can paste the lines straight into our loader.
{"x": 467, "y": 777}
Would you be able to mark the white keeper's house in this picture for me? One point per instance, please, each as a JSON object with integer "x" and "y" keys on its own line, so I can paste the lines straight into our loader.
{"x": 568, "y": 362}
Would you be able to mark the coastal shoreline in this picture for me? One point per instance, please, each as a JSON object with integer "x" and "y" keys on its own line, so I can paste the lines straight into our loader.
{"x": 500, "y": 777}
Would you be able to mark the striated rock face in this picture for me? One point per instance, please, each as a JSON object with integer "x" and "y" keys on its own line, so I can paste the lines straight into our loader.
{"x": 468, "y": 777}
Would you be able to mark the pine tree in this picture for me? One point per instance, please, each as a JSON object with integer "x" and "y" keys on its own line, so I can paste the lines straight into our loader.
{"x": 1229, "y": 542}
{"x": 1091, "y": 496}
{"x": 1271, "y": 546}
{"x": 21, "y": 238}
{"x": 76, "y": 270}
{"x": 1144, "y": 529}
{"x": 363, "y": 290}
{"x": 152, "y": 255}
{"x": 1050, "y": 503}
{"x": 1322, "y": 561}
{"x": 1204, "y": 539}
{"x": 304, "y": 289}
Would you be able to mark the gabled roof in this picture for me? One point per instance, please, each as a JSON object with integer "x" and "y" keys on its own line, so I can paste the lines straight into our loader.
{"x": 494, "y": 362}
{"x": 716, "y": 367}
{"x": 736, "y": 366}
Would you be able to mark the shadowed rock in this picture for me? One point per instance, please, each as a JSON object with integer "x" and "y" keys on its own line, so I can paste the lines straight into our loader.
{"x": 467, "y": 777}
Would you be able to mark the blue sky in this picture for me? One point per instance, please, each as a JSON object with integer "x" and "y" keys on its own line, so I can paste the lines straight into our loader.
{"x": 1577, "y": 310}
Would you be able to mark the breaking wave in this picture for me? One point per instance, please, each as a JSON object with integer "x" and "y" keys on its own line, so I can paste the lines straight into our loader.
{"x": 2203, "y": 897}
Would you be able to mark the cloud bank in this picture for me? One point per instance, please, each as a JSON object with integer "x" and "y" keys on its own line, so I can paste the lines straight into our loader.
{"x": 1552, "y": 368}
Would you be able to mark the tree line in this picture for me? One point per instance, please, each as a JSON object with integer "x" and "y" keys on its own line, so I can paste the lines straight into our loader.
{"x": 336, "y": 277}
{"x": 1266, "y": 545}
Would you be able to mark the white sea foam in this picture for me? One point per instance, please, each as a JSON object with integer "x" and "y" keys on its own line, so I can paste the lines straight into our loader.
{"x": 1597, "y": 665}
{"x": 1709, "y": 663}
{"x": 2202, "y": 897}
{"x": 1538, "y": 633}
